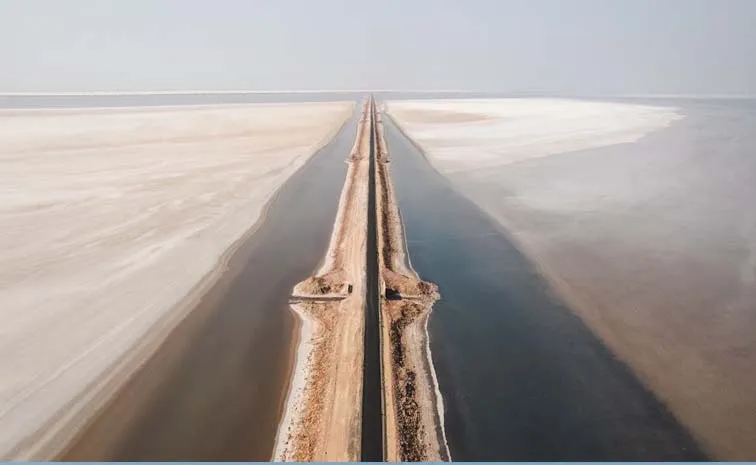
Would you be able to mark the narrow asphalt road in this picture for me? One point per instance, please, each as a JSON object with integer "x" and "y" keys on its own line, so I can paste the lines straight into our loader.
{"x": 372, "y": 409}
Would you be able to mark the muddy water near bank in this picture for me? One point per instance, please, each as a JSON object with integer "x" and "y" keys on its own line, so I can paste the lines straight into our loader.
{"x": 521, "y": 377}
{"x": 215, "y": 389}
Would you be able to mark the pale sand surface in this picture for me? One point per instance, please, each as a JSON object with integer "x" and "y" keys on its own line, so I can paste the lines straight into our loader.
{"x": 110, "y": 217}
{"x": 475, "y": 134}
{"x": 651, "y": 239}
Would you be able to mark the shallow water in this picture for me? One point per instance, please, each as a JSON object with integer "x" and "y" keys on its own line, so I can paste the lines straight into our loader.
{"x": 654, "y": 243}
{"x": 215, "y": 390}
{"x": 521, "y": 377}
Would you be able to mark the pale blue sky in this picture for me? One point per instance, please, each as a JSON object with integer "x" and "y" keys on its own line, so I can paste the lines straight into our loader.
{"x": 569, "y": 46}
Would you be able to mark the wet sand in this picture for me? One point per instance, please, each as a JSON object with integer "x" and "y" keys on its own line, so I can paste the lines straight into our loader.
{"x": 651, "y": 245}
{"x": 150, "y": 417}
{"x": 521, "y": 377}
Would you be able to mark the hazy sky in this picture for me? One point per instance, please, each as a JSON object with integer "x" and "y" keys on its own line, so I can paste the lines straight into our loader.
{"x": 579, "y": 46}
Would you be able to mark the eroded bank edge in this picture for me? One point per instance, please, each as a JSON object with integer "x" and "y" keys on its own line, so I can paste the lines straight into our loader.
{"x": 414, "y": 412}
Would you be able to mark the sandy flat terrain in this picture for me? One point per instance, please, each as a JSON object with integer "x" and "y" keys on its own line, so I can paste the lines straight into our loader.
{"x": 466, "y": 135}
{"x": 641, "y": 217}
{"x": 109, "y": 218}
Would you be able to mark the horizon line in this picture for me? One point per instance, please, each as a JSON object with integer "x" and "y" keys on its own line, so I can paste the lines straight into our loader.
{"x": 238, "y": 91}
{"x": 350, "y": 91}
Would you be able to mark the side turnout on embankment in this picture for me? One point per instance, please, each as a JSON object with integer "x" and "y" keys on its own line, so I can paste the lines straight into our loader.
{"x": 363, "y": 386}
{"x": 322, "y": 419}
{"x": 413, "y": 409}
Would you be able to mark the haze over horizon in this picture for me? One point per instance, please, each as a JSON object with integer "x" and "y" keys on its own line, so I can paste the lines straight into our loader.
{"x": 549, "y": 46}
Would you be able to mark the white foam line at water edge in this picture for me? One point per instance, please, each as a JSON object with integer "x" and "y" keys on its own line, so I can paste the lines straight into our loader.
{"x": 294, "y": 397}
{"x": 440, "y": 410}
{"x": 333, "y": 244}
{"x": 406, "y": 259}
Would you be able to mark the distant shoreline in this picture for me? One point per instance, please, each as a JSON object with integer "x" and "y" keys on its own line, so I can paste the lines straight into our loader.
{"x": 378, "y": 91}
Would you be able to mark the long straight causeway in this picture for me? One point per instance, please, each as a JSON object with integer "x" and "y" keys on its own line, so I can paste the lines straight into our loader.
{"x": 363, "y": 386}
{"x": 323, "y": 415}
